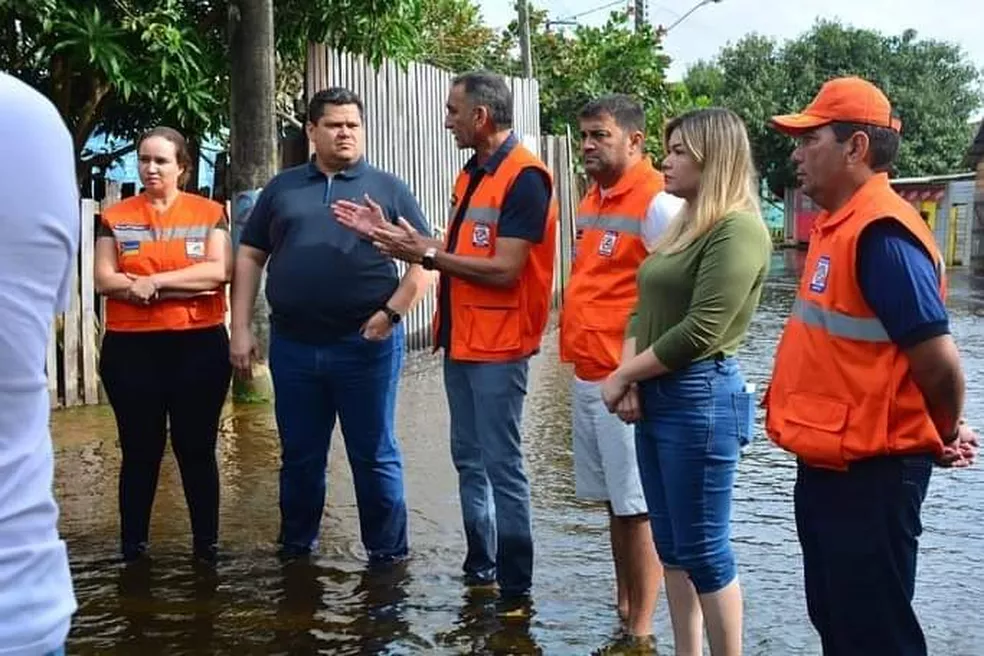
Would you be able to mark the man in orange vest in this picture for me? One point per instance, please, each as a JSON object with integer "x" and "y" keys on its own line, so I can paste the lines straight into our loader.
{"x": 867, "y": 389}
{"x": 496, "y": 281}
{"x": 621, "y": 213}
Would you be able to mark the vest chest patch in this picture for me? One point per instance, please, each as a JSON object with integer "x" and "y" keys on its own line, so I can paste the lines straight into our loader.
{"x": 608, "y": 242}
{"x": 481, "y": 235}
{"x": 129, "y": 248}
{"x": 195, "y": 248}
{"x": 818, "y": 282}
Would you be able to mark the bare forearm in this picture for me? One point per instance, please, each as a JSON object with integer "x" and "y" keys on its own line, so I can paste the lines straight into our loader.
{"x": 629, "y": 349}
{"x": 201, "y": 277}
{"x": 641, "y": 367}
{"x": 412, "y": 288}
{"x": 245, "y": 285}
{"x": 491, "y": 272}
{"x": 937, "y": 373}
{"x": 113, "y": 284}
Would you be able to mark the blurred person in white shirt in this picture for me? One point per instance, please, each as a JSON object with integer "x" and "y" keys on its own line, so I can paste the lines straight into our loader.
{"x": 39, "y": 224}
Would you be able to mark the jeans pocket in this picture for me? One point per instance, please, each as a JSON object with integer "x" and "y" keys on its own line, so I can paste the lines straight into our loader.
{"x": 745, "y": 412}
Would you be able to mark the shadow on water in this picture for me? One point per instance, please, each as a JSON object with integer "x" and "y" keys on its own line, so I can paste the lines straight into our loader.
{"x": 251, "y": 604}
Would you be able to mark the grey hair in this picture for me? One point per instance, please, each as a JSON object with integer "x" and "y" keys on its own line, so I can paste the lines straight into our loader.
{"x": 489, "y": 90}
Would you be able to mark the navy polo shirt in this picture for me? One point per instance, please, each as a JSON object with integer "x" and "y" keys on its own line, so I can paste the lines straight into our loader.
{"x": 900, "y": 283}
{"x": 523, "y": 215}
{"x": 323, "y": 280}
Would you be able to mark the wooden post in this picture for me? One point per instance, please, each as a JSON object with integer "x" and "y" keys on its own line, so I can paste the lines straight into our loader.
{"x": 253, "y": 142}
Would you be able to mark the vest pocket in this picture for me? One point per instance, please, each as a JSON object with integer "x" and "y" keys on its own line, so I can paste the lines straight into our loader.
{"x": 493, "y": 327}
{"x": 814, "y": 428}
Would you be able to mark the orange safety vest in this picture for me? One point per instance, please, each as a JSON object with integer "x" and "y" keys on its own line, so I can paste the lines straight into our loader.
{"x": 148, "y": 243}
{"x": 496, "y": 324}
{"x": 841, "y": 390}
{"x": 601, "y": 293}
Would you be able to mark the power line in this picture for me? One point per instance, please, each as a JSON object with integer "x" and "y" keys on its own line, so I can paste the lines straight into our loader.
{"x": 590, "y": 11}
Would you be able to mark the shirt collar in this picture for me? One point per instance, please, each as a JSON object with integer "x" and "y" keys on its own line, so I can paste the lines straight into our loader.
{"x": 493, "y": 162}
{"x": 629, "y": 180}
{"x": 354, "y": 171}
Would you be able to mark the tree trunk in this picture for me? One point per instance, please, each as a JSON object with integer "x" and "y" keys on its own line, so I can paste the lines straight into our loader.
{"x": 253, "y": 145}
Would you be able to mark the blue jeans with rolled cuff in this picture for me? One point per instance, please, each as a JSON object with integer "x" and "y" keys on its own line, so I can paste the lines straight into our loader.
{"x": 694, "y": 422}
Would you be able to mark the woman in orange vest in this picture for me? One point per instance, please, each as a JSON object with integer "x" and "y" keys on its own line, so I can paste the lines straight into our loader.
{"x": 162, "y": 261}
{"x": 696, "y": 295}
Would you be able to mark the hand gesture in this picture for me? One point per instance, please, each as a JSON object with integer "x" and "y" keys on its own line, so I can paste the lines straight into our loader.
{"x": 244, "y": 350}
{"x": 400, "y": 241}
{"x": 360, "y": 218}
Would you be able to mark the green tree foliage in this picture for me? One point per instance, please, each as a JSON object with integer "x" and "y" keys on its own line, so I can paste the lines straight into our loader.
{"x": 932, "y": 85}
{"x": 121, "y": 66}
{"x": 575, "y": 66}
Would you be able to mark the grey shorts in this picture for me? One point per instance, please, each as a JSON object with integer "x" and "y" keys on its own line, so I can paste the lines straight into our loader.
{"x": 605, "y": 466}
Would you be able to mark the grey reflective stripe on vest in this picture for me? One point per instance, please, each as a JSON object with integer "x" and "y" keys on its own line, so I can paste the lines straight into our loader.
{"x": 839, "y": 324}
{"x": 167, "y": 234}
{"x": 612, "y": 222}
{"x": 488, "y": 215}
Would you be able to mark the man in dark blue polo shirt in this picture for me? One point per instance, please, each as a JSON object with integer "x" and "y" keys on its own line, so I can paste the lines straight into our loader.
{"x": 336, "y": 346}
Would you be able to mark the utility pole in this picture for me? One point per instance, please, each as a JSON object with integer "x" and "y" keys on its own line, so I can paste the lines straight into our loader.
{"x": 524, "y": 37}
{"x": 640, "y": 14}
{"x": 253, "y": 144}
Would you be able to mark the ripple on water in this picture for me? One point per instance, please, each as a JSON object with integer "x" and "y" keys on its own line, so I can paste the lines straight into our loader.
{"x": 253, "y": 605}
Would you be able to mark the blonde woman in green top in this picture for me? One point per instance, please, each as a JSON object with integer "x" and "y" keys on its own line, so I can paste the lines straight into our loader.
{"x": 679, "y": 380}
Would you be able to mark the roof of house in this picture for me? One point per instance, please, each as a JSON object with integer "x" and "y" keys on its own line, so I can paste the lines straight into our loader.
{"x": 976, "y": 151}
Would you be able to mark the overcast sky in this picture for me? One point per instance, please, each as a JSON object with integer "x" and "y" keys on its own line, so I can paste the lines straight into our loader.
{"x": 712, "y": 26}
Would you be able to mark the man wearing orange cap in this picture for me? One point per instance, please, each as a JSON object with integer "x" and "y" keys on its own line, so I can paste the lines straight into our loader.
{"x": 867, "y": 389}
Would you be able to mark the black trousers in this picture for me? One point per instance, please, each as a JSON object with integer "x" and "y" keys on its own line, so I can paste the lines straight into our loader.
{"x": 859, "y": 532}
{"x": 160, "y": 380}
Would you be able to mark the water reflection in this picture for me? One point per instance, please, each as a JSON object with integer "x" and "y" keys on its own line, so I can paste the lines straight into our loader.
{"x": 332, "y": 604}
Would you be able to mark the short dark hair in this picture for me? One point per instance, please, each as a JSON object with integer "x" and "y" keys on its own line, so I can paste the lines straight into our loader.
{"x": 181, "y": 152}
{"x": 333, "y": 96}
{"x": 884, "y": 142}
{"x": 489, "y": 90}
{"x": 626, "y": 110}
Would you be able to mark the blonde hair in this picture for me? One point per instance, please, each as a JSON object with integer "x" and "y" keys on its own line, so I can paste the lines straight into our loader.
{"x": 717, "y": 140}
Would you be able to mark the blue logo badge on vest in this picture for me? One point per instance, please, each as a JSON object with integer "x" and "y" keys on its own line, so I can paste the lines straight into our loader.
{"x": 818, "y": 282}
{"x": 608, "y": 241}
{"x": 481, "y": 235}
{"x": 195, "y": 248}
{"x": 129, "y": 247}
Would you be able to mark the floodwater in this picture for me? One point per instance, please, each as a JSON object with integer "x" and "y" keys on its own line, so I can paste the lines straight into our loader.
{"x": 253, "y": 605}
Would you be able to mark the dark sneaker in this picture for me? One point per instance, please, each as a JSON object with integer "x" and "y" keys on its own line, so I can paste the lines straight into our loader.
{"x": 628, "y": 645}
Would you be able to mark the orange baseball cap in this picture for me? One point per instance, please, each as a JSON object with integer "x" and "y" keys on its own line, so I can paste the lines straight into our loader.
{"x": 842, "y": 99}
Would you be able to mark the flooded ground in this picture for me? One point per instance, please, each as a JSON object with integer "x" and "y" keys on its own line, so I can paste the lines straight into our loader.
{"x": 253, "y": 605}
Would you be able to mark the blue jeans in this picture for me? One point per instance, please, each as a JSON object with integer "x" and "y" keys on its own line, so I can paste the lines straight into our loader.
{"x": 687, "y": 444}
{"x": 486, "y": 404}
{"x": 355, "y": 379}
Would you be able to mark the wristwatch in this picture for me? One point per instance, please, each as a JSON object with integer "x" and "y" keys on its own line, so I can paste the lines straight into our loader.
{"x": 393, "y": 315}
{"x": 428, "y": 261}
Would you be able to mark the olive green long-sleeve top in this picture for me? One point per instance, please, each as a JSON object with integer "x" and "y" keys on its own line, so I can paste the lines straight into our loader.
{"x": 698, "y": 302}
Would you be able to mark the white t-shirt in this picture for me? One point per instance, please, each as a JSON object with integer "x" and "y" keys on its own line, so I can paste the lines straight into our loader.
{"x": 39, "y": 235}
{"x": 662, "y": 209}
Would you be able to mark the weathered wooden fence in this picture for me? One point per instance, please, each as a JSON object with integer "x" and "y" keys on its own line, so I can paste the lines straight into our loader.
{"x": 405, "y": 135}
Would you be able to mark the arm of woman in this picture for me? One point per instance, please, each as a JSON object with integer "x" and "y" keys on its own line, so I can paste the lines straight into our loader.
{"x": 109, "y": 280}
{"x": 730, "y": 266}
{"x": 205, "y": 276}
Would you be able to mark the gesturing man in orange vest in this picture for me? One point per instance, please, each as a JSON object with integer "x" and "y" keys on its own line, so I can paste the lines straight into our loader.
{"x": 618, "y": 217}
{"x": 496, "y": 280}
{"x": 867, "y": 389}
